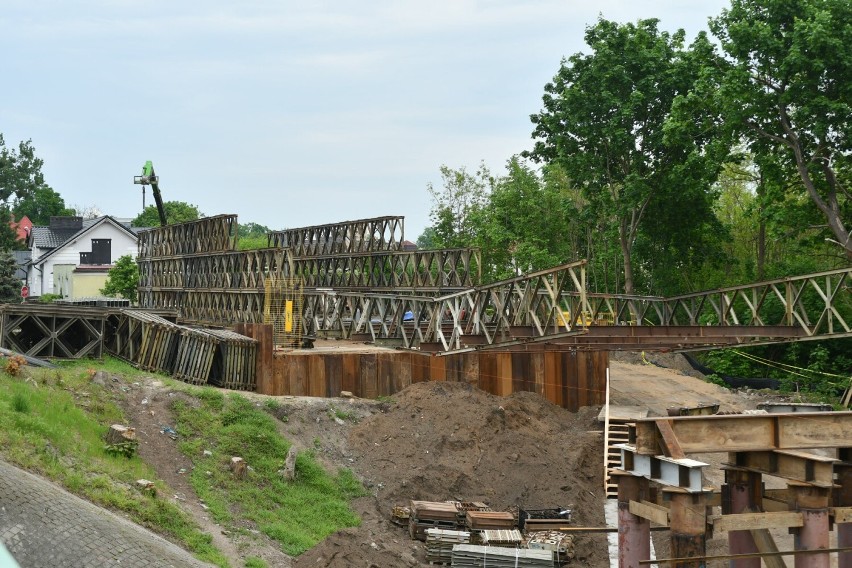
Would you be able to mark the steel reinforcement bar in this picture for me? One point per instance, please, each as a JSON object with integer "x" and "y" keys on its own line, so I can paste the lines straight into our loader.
{"x": 347, "y": 237}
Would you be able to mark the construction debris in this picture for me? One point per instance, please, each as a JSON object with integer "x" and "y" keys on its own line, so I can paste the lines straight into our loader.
{"x": 238, "y": 467}
{"x": 430, "y": 514}
{"x": 489, "y": 520}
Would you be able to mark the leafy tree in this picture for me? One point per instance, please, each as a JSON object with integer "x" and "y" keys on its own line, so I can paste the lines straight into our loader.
{"x": 455, "y": 207}
{"x": 41, "y": 205}
{"x": 626, "y": 127}
{"x": 427, "y": 239}
{"x": 10, "y": 287}
{"x": 251, "y": 230}
{"x": 176, "y": 212}
{"x": 20, "y": 171}
{"x": 123, "y": 279}
{"x": 787, "y": 84}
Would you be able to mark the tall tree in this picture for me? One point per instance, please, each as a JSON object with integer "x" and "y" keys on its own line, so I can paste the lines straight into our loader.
{"x": 457, "y": 203}
{"x": 608, "y": 120}
{"x": 20, "y": 171}
{"x": 788, "y": 84}
{"x": 176, "y": 212}
{"x": 10, "y": 287}
{"x": 41, "y": 205}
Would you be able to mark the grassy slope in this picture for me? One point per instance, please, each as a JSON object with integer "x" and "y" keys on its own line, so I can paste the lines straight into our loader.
{"x": 53, "y": 422}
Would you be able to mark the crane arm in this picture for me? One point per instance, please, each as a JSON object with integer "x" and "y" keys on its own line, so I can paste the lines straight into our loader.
{"x": 148, "y": 177}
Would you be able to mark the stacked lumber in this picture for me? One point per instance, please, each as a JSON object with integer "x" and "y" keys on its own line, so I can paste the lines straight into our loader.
{"x": 473, "y": 556}
{"x": 440, "y": 542}
{"x": 464, "y": 506}
{"x": 489, "y": 520}
{"x": 505, "y": 538}
{"x": 431, "y": 515}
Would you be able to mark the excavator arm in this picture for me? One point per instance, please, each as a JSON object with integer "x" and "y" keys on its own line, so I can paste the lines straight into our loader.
{"x": 148, "y": 177}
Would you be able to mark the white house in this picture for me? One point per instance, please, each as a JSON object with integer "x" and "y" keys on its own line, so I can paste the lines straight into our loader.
{"x": 72, "y": 256}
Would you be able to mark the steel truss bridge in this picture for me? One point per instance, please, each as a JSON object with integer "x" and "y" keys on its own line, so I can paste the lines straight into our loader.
{"x": 355, "y": 281}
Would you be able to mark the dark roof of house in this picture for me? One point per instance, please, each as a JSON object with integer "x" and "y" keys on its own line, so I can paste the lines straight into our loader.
{"x": 51, "y": 239}
{"x": 47, "y": 238}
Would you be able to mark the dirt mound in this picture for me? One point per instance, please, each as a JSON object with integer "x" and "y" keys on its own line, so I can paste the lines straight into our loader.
{"x": 674, "y": 361}
{"x": 444, "y": 440}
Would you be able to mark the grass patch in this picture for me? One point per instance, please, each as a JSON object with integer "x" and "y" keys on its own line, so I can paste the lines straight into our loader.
{"x": 298, "y": 514}
{"x": 54, "y": 423}
{"x": 254, "y": 562}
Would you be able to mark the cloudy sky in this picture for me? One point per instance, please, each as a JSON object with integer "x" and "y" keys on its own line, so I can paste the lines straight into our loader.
{"x": 287, "y": 113}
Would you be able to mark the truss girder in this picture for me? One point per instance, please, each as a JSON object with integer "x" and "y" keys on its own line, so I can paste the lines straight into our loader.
{"x": 363, "y": 235}
{"x": 210, "y": 234}
{"x": 425, "y": 269}
{"x": 819, "y": 304}
{"x": 53, "y": 331}
{"x": 245, "y": 270}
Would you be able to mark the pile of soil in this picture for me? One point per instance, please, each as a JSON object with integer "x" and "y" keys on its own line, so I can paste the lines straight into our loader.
{"x": 439, "y": 441}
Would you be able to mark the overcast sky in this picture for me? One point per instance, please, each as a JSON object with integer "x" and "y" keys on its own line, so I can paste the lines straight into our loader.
{"x": 287, "y": 113}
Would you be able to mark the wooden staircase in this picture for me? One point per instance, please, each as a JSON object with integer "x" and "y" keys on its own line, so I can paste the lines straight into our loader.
{"x": 616, "y": 434}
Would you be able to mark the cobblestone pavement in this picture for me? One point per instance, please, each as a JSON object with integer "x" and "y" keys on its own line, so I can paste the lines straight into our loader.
{"x": 43, "y": 526}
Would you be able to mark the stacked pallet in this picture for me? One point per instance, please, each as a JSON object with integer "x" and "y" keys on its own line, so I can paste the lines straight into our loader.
{"x": 440, "y": 542}
{"x": 489, "y": 520}
{"x": 472, "y": 556}
{"x": 464, "y": 506}
{"x": 559, "y": 543}
{"x": 431, "y": 515}
{"x": 504, "y": 538}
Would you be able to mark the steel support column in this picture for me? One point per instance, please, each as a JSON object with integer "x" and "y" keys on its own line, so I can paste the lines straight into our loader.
{"x": 740, "y": 494}
{"x": 843, "y": 498}
{"x": 812, "y": 502}
{"x": 688, "y": 514}
{"x": 634, "y": 532}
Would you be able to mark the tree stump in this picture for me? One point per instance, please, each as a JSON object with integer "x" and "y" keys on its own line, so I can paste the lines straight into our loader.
{"x": 238, "y": 467}
{"x": 289, "y": 471}
{"x": 118, "y": 434}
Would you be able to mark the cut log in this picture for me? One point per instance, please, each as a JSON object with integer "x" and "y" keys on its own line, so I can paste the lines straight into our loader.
{"x": 238, "y": 467}
{"x": 289, "y": 471}
{"x": 118, "y": 434}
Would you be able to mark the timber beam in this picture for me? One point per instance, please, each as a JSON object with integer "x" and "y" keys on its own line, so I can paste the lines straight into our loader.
{"x": 797, "y": 466}
{"x": 748, "y": 433}
{"x": 755, "y": 521}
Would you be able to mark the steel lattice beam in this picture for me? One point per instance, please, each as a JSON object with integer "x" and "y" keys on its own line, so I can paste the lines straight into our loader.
{"x": 363, "y": 235}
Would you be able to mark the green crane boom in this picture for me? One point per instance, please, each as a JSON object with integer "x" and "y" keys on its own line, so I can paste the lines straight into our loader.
{"x": 148, "y": 177}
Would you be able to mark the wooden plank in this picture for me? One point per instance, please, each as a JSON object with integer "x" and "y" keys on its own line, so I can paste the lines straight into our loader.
{"x": 368, "y": 379}
{"x": 297, "y": 375}
{"x": 384, "y": 374}
{"x": 752, "y": 432}
{"x": 537, "y": 372}
{"x": 750, "y": 521}
{"x": 504, "y": 374}
{"x": 470, "y": 368}
{"x": 766, "y": 544}
{"x": 316, "y": 376}
{"x": 402, "y": 377}
{"x": 333, "y": 374}
{"x": 841, "y": 514}
{"x": 488, "y": 372}
{"x": 263, "y": 358}
{"x": 789, "y": 464}
{"x": 437, "y": 369}
{"x": 552, "y": 365}
{"x": 671, "y": 447}
{"x": 351, "y": 366}
{"x": 651, "y": 511}
{"x": 568, "y": 382}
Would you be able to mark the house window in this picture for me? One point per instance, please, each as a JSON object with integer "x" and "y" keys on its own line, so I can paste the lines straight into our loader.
{"x": 101, "y": 252}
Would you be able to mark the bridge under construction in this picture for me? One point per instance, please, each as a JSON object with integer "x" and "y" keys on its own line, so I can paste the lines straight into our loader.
{"x": 204, "y": 305}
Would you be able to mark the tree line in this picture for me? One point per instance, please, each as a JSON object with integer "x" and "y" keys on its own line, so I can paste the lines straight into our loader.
{"x": 675, "y": 167}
